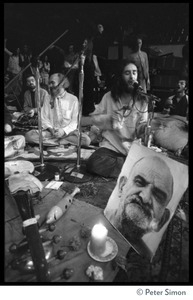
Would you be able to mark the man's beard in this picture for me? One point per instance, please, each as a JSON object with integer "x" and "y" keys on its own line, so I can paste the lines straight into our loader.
{"x": 136, "y": 218}
{"x": 179, "y": 90}
{"x": 32, "y": 88}
{"x": 53, "y": 92}
{"x": 130, "y": 230}
{"x": 128, "y": 87}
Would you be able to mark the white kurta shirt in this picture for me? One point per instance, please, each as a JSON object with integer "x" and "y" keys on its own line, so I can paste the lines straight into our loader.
{"x": 64, "y": 114}
{"x": 135, "y": 117}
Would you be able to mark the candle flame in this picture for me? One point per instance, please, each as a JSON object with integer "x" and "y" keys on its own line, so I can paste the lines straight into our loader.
{"x": 99, "y": 230}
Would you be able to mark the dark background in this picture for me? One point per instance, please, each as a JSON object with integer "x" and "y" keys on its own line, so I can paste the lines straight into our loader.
{"x": 39, "y": 24}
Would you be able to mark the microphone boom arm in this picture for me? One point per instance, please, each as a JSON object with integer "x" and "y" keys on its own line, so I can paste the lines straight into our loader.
{"x": 11, "y": 81}
{"x": 80, "y": 100}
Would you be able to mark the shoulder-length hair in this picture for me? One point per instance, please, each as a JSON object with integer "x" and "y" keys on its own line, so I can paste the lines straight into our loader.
{"x": 117, "y": 84}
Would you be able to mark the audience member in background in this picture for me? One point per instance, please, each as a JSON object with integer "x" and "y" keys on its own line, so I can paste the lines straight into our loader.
{"x": 185, "y": 62}
{"x": 71, "y": 65}
{"x": 121, "y": 116}
{"x": 59, "y": 114}
{"x": 13, "y": 90}
{"x": 100, "y": 49}
{"x": 141, "y": 60}
{"x": 12, "y": 93}
{"x": 30, "y": 97}
{"x": 6, "y": 78}
{"x": 91, "y": 69}
{"x": 177, "y": 104}
{"x": 44, "y": 72}
{"x": 100, "y": 54}
{"x": 26, "y": 55}
{"x": 14, "y": 62}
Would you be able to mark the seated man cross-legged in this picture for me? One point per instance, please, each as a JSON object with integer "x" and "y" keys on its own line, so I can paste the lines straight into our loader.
{"x": 30, "y": 99}
{"x": 59, "y": 115}
{"x": 121, "y": 116}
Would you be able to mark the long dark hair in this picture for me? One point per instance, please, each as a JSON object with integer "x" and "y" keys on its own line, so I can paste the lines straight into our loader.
{"x": 117, "y": 84}
{"x": 88, "y": 49}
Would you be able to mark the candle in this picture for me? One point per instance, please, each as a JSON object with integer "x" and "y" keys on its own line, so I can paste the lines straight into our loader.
{"x": 98, "y": 239}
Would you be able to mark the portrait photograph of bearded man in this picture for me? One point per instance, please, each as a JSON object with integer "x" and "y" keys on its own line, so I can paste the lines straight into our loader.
{"x": 145, "y": 198}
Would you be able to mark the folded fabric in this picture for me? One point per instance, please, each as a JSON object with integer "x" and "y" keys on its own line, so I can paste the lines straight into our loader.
{"x": 24, "y": 182}
{"x": 17, "y": 166}
{"x": 13, "y": 145}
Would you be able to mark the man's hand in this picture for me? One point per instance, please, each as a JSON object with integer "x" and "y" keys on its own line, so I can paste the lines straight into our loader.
{"x": 31, "y": 113}
{"x": 118, "y": 125}
{"x": 98, "y": 80}
{"x": 127, "y": 145}
{"x": 59, "y": 133}
{"x": 51, "y": 130}
{"x": 117, "y": 121}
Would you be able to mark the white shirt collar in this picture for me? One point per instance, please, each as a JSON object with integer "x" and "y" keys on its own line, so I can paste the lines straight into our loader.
{"x": 61, "y": 96}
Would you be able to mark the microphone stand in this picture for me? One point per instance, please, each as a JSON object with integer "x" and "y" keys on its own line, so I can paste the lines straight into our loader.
{"x": 81, "y": 82}
{"x": 11, "y": 81}
{"x": 148, "y": 131}
{"x": 149, "y": 96}
{"x": 44, "y": 171}
{"x": 79, "y": 174}
{"x": 151, "y": 99}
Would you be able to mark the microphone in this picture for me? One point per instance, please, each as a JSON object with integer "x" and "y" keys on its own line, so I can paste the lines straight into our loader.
{"x": 155, "y": 98}
{"x": 137, "y": 87}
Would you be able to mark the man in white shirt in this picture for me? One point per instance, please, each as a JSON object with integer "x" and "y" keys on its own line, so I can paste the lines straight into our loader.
{"x": 121, "y": 116}
{"x": 59, "y": 114}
